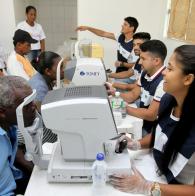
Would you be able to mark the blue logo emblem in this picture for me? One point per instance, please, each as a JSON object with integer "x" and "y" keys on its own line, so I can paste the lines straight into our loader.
{"x": 82, "y": 73}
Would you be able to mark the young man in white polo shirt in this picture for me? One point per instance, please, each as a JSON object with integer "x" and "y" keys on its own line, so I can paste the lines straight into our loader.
{"x": 132, "y": 74}
{"x": 124, "y": 40}
{"x": 150, "y": 84}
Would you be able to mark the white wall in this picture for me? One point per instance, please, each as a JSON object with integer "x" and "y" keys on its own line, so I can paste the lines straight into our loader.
{"x": 58, "y": 19}
{"x": 7, "y": 24}
{"x": 105, "y": 14}
{"x": 20, "y": 9}
{"x": 109, "y": 14}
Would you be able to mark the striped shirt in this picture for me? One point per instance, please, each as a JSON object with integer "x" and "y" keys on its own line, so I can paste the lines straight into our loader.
{"x": 48, "y": 136}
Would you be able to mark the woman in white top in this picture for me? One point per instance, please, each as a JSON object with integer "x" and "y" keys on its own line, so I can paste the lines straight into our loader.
{"x": 35, "y": 30}
{"x": 173, "y": 141}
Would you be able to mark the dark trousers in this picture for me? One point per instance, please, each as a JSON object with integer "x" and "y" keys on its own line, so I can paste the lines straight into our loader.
{"x": 33, "y": 54}
{"x": 21, "y": 185}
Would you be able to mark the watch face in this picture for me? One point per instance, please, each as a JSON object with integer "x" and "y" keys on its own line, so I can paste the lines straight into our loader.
{"x": 156, "y": 192}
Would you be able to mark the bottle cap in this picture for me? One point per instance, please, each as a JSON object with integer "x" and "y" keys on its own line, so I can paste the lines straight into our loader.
{"x": 117, "y": 94}
{"x": 100, "y": 156}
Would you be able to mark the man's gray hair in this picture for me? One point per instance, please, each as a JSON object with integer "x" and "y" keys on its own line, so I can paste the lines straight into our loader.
{"x": 8, "y": 85}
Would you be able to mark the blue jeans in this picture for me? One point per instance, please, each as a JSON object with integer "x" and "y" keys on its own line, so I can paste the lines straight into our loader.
{"x": 124, "y": 81}
{"x": 33, "y": 54}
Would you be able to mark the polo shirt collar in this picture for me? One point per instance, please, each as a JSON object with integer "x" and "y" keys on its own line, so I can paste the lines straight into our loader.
{"x": 150, "y": 78}
{"x": 128, "y": 40}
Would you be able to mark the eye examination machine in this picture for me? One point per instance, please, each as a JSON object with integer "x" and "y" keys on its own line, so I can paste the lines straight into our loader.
{"x": 85, "y": 66}
{"x": 86, "y": 71}
{"x": 81, "y": 116}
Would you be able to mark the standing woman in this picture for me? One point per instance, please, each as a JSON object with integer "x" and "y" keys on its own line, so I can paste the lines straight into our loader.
{"x": 173, "y": 141}
{"x": 35, "y": 30}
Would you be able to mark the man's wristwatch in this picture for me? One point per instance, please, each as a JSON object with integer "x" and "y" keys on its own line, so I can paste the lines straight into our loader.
{"x": 155, "y": 190}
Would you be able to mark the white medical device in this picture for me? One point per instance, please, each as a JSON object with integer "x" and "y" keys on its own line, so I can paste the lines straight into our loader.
{"x": 83, "y": 69}
{"x": 32, "y": 135}
{"x": 81, "y": 49}
{"x": 86, "y": 71}
{"x": 82, "y": 118}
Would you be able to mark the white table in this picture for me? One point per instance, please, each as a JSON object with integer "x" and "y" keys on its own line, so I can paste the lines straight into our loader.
{"x": 132, "y": 125}
{"x": 38, "y": 185}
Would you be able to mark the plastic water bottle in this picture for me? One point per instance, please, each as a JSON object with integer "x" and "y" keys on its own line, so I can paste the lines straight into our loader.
{"x": 118, "y": 104}
{"x": 123, "y": 109}
{"x": 99, "y": 174}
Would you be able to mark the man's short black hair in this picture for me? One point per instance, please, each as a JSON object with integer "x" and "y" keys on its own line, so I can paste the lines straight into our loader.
{"x": 155, "y": 47}
{"x": 132, "y": 22}
{"x": 142, "y": 35}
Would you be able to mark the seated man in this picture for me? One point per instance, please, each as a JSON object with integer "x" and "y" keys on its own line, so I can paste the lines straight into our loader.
{"x": 13, "y": 90}
{"x": 17, "y": 63}
{"x": 150, "y": 84}
{"x": 172, "y": 143}
{"x": 134, "y": 72}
